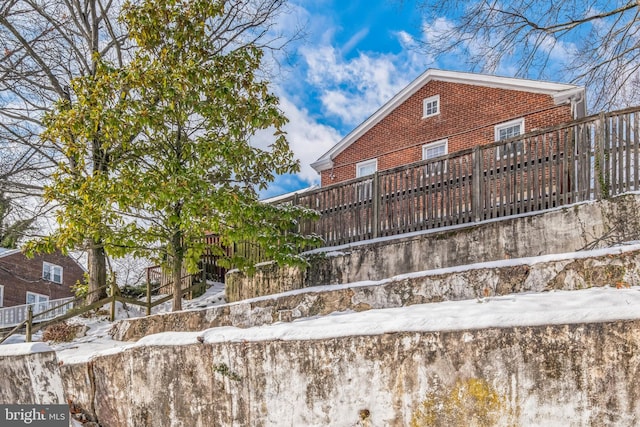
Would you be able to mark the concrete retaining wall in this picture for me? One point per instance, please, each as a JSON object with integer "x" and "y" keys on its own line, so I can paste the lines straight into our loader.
{"x": 562, "y": 230}
{"x": 574, "y": 375}
{"x": 622, "y": 269}
{"x": 29, "y": 374}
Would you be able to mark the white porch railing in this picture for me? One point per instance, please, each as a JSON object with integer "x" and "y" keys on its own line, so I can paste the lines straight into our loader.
{"x": 11, "y": 316}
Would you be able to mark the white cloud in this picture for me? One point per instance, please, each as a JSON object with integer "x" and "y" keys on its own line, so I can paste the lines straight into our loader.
{"x": 558, "y": 50}
{"x": 352, "y": 89}
{"x": 329, "y": 90}
{"x": 307, "y": 138}
{"x": 437, "y": 30}
{"x": 354, "y": 40}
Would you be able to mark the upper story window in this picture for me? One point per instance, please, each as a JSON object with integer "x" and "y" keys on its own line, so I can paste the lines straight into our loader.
{"x": 52, "y": 272}
{"x": 509, "y": 129}
{"x": 431, "y": 106}
{"x": 434, "y": 149}
{"x": 366, "y": 168}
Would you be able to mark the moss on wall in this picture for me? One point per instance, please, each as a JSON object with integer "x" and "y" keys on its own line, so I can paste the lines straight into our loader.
{"x": 468, "y": 403}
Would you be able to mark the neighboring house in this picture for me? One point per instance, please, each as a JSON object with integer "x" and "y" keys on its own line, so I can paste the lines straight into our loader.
{"x": 443, "y": 112}
{"x": 36, "y": 280}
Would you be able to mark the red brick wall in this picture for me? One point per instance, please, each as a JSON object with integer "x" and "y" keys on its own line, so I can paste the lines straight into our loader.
{"x": 468, "y": 114}
{"x": 18, "y": 274}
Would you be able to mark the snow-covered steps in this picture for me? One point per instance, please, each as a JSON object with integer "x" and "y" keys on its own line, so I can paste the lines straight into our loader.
{"x": 617, "y": 267}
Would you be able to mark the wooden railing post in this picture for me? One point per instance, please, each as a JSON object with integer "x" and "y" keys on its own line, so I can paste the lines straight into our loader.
{"x": 148, "y": 295}
{"x": 29, "y": 325}
{"x": 600, "y": 176}
{"x": 113, "y": 300}
{"x": 375, "y": 198}
{"x": 476, "y": 180}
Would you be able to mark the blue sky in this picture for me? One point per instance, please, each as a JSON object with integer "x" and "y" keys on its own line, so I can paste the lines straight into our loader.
{"x": 354, "y": 57}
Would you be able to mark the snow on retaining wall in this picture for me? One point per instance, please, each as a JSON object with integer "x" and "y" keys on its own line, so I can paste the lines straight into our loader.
{"x": 29, "y": 374}
{"x": 619, "y": 266}
{"x": 581, "y": 374}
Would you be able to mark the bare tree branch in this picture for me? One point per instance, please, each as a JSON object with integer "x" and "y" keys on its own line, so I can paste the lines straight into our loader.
{"x": 595, "y": 43}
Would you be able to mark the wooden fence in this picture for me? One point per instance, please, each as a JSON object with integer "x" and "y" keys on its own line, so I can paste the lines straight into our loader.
{"x": 592, "y": 158}
{"x": 39, "y": 317}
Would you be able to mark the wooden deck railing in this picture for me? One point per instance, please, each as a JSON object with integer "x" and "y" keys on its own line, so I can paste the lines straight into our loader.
{"x": 162, "y": 279}
{"x": 592, "y": 158}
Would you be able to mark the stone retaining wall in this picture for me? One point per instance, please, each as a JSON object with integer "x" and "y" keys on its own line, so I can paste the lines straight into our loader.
{"x": 30, "y": 376}
{"x": 574, "y": 375}
{"x": 562, "y": 230}
{"x": 621, "y": 269}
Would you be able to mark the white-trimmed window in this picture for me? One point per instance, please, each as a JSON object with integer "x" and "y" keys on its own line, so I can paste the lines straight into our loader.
{"x": 1, "y": 296}
{"x": 509, "y": 130}
{"x": 366, "y": 168}
{"x": 38, "y": 301}
{"x": 435, "y": 149}
{"x": 51, "y": 272}
{"x": 431, "y": 106}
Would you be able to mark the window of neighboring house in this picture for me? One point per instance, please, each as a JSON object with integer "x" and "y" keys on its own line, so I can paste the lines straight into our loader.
{"x": 509, "y": 130}
{"x": 38, "y": 301}
{"x": 1, "y": 296}
{"x": 431, "y": 106}
{"x": 366, "y": 168}
{"x": 52, "y": 272}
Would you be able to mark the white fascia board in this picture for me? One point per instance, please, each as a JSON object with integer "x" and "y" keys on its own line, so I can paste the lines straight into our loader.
{"x": 511, "y": 83}
{"x": 289, "y": 194}
{"x": 576, "y": 96}
{"x": 549, "y": 88}
{"x": 325, "y": 162}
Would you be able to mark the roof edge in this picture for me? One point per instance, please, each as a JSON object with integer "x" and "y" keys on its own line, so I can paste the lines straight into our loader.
{"x": 537, "y": 86}
{"x": 8, "y": 252}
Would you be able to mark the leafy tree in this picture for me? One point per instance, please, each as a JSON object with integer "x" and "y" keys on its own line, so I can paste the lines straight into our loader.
{"x": 54, "y": 52}
{"x": 90, "y": 135}
{"x": 178, "y": 121}
{"x": 595, "y": 41}
{"x": 193, "y": 168}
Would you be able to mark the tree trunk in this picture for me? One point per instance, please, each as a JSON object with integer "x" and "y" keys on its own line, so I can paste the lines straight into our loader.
{"x": 176, "y": 269}
{"x": 97, "y": 272}
{"x": 176, "y": 273}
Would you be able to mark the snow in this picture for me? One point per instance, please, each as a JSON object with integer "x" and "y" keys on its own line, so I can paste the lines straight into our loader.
{"x": 24, "y": 348}
{"x": 602, "y": 304}
{"x": 531, "y": 309}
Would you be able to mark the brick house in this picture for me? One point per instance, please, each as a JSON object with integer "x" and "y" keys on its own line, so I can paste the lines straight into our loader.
{"x": 443, "y": 112}
{"x": 36, "y": 280}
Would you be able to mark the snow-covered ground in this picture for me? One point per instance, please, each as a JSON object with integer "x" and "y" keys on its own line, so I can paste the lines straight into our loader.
{"x": 526, "y": 309}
